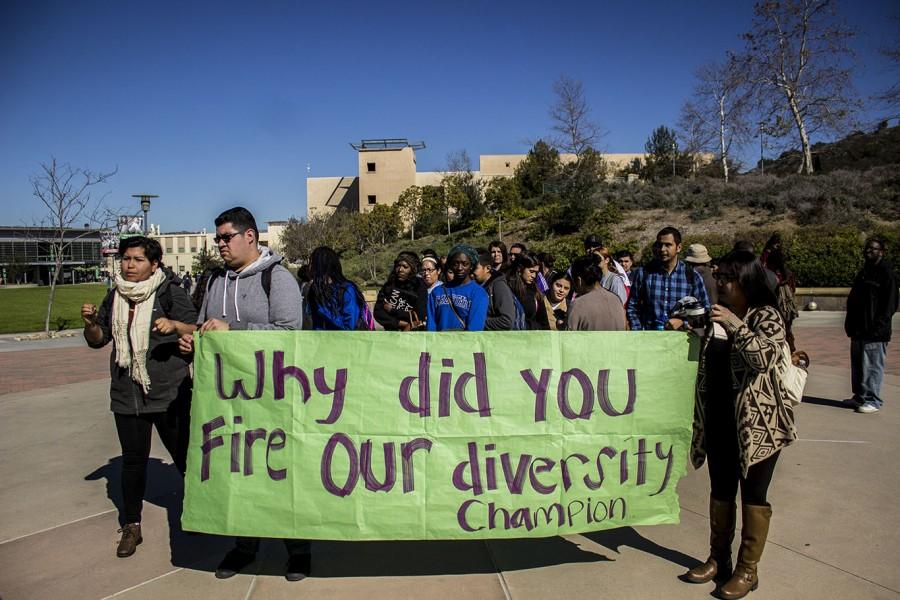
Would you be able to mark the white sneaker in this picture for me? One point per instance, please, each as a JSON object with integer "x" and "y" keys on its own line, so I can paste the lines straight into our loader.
{"x": 867, "y": 407}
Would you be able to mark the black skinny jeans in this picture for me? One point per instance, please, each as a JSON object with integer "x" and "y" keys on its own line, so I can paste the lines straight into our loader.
{"x": 722, "y": 454}
{"x": 135, "y": 436}
{"x": 722, "y": 448}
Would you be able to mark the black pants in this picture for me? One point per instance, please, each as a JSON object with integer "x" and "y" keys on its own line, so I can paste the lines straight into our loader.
{"x": 250, "y": 545}
{"x": 722, "y": 456}
{"x": 134, "y": 436}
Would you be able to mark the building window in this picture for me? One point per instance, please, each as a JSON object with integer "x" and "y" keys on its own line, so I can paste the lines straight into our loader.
{"x": 372, "y": 199}
{"x": 370, "y": 167}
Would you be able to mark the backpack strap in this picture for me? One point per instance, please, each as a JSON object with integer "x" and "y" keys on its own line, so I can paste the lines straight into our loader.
{"x": 165, "y": 299}
{"x": 689, "y": 273}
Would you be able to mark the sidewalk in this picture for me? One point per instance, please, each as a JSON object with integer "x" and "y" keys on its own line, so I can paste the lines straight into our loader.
{"x": 835, "y": 533}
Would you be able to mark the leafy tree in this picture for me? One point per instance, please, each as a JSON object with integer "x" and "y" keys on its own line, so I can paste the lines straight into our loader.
{"x": 501, "y": 194}
{"x": 578, "y": 183}
{"x": 541, "y": 167}
{"x": 373, "y": 230}
{"x": 409, "y": 206}
{"x": 206, "y": 259}
{"x": 435, "y": 206}
{"x": 796, "y": 56}
{"x": 463, "y": 192}
{"x": 635, "y": 167}
{"x": 662, "y": 150}
{"x": 300, "y": 238}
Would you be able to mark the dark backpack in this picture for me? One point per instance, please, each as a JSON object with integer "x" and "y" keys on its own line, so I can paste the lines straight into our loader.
{"x": 518, "y": 323}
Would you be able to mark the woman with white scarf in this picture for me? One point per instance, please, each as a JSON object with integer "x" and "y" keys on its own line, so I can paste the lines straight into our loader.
{"x": 143, "y": 316}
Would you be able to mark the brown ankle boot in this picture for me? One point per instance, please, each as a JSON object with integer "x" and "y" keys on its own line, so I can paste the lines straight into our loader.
{"x": 131, "y": 537}
{"x": 754, "y": 532}
{"x": 722, "y": 517}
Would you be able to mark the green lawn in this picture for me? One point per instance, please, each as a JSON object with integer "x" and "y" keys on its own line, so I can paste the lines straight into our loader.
{"x": 23, "y": 309}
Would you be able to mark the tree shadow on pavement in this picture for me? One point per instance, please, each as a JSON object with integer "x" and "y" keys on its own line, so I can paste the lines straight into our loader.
{"x": 614, "y": 539}
{"x": 165, "y": 489}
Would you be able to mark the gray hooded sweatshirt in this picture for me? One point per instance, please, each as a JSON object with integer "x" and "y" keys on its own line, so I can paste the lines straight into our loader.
{"x": 240, "y": 300}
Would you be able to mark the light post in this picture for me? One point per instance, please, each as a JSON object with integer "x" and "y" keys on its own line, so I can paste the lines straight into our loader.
{"x": 674, "y": 152}
{"x": 145, "y": 206}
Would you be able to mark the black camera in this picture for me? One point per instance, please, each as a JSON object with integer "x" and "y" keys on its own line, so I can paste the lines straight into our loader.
{"x": 693, "y": 313}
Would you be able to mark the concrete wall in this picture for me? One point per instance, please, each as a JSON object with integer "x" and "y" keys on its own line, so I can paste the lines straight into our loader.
{"x": 394, "y": 171}
{"x": 324, "y": 195}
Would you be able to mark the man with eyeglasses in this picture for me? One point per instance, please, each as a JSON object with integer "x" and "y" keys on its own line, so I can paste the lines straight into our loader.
{"x": 253, "y": 292}
{"x": 870, "y": 307}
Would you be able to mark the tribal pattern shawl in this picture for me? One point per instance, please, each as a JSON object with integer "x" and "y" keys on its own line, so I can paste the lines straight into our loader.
{"x": 764, "y": 423}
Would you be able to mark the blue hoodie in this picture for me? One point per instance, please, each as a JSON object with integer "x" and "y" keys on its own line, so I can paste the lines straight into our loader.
{"x": 470, "y": 301}
{"x": 343, "y": 319}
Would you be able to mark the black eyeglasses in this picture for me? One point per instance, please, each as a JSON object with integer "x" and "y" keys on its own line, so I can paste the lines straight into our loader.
{"x": 724, "y": 278}
{"x": 429, "y": 270}
{"x": 226, "y": 237}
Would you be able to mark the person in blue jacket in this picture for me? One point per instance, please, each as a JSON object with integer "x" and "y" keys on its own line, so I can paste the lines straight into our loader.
{"x": 333, "y": 302}
{"x": 461, "y": 304}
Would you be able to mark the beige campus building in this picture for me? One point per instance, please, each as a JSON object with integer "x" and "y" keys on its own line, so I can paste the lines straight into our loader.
{"x": 387, "y": 167}
{"x": 180, "y": 248}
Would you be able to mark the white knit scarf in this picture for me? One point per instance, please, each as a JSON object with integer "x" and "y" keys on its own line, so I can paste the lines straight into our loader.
{"x": 132, "y": 345}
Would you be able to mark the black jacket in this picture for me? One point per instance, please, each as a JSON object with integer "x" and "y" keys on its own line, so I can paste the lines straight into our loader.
{"x": 501, "y": 305}
{"x": 167, "y": 367}
{"x": 871, "y": 303}
{"x": 401, "y": 297}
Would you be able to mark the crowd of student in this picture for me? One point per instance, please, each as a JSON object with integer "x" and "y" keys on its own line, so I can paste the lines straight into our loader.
{"x": 744, "y": 303}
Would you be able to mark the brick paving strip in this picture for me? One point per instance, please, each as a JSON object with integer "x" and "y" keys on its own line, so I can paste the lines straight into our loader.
{"x": 830, "y": 346}
{"x": 26, "y": 370}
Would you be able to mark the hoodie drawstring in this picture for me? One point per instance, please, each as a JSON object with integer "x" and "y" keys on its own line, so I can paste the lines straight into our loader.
{"x": 237, "y": 311}
{"x": 224, "y": 297}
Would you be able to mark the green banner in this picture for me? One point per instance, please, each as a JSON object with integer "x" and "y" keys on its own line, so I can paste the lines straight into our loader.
{"x": 414, "y": 436}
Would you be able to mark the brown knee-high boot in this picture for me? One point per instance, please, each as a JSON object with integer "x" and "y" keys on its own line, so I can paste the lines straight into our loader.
{"x": 722, "y": 517}
{"x": 754, "y": 532}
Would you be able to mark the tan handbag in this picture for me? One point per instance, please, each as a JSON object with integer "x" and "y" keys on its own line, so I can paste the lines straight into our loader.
{"x": 793, "y": 375}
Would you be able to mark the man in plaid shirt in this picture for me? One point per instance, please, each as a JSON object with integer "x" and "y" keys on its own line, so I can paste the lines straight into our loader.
{"x": 656, "y": 287}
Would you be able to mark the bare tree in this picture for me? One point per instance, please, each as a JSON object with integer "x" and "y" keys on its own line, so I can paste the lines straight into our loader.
{"x": 797, "y": 56}
{"x": 890, "y": 98}
{"x": 574, "y": 131}
{"x": 715, "y": 118}
{"x": 66, "y": 193}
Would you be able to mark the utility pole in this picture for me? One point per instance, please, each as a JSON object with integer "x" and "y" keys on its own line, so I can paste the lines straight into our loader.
{"x": 674, "y": 152}
{"x": 762, "y": 164}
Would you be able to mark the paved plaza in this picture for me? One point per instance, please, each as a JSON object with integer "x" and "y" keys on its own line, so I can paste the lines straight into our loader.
{"x": 835, "y": 531}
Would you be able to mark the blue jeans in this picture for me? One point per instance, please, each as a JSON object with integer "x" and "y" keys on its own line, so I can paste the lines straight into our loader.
{"x": 867, "y": 370}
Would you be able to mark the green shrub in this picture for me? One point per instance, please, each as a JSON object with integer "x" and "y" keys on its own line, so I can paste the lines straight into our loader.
{"x": 825, "y": 256}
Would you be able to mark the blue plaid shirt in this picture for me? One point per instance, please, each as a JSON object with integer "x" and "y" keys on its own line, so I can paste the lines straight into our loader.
{"x": 654, "y": 293}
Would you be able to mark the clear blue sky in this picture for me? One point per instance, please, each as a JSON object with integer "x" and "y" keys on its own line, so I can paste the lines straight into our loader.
{"x": 217, "y": 103}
